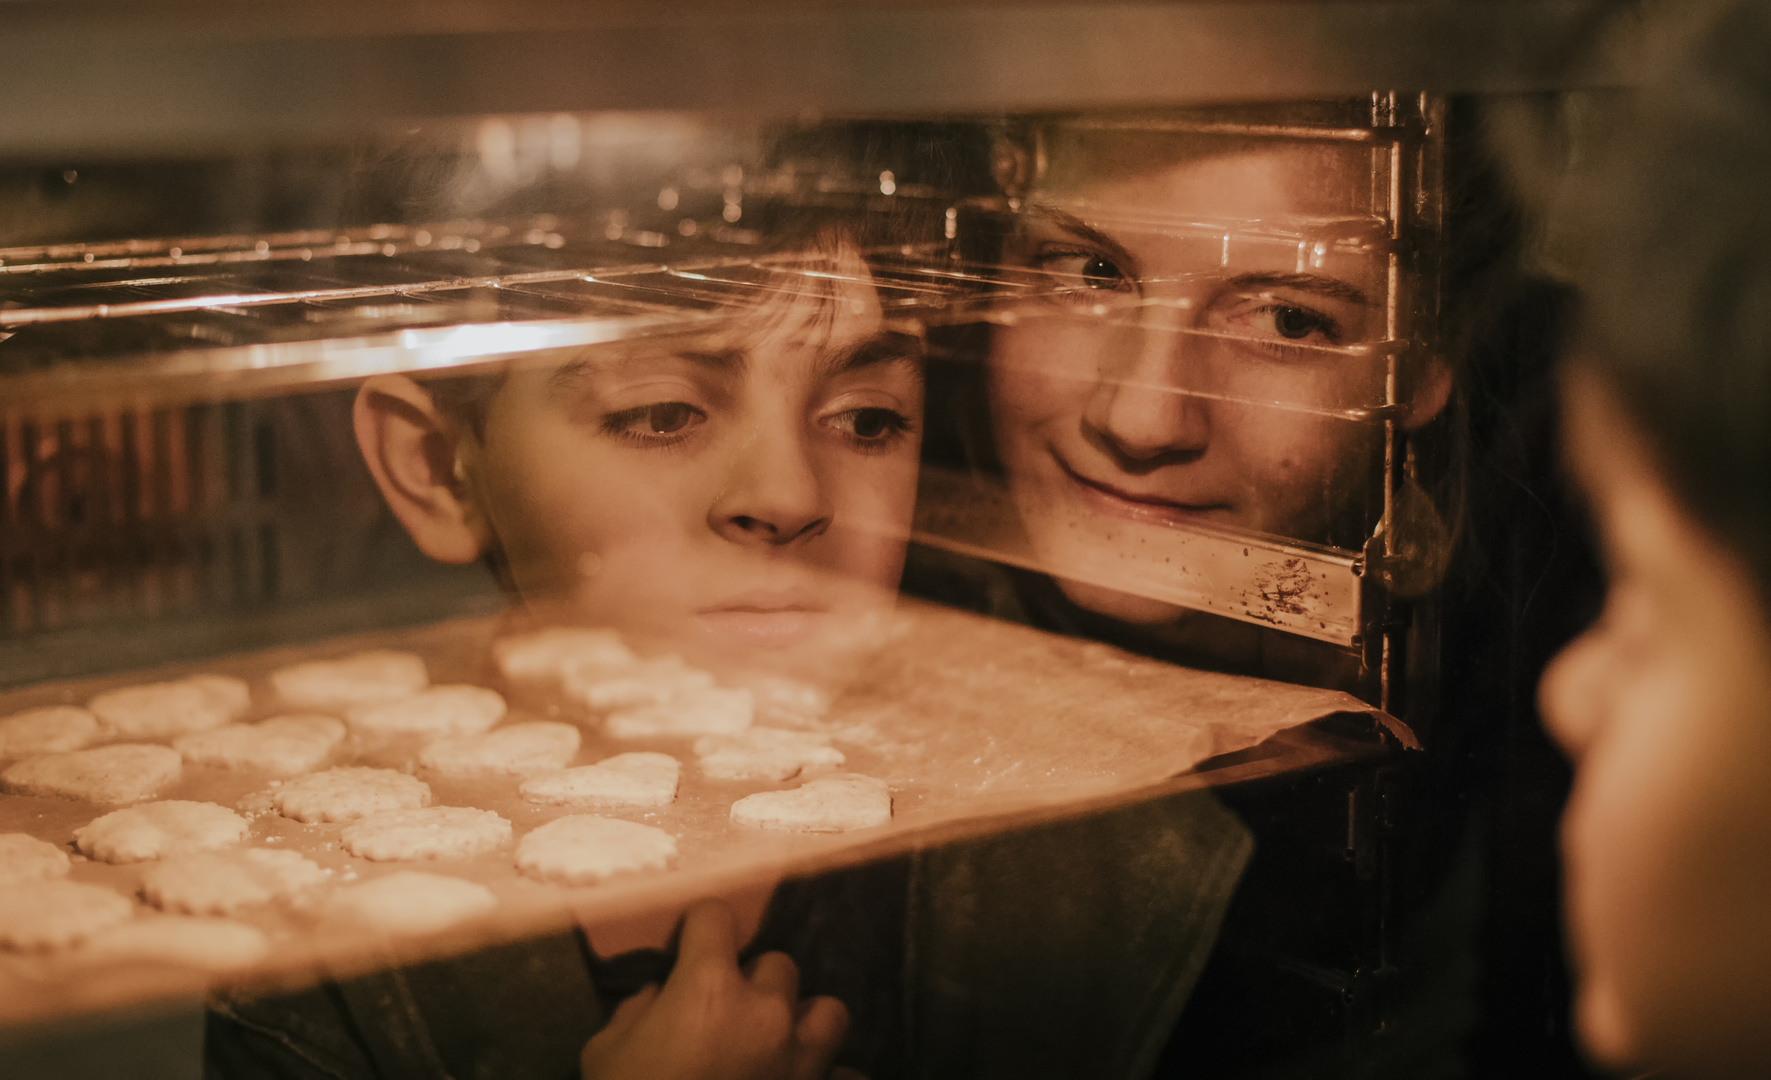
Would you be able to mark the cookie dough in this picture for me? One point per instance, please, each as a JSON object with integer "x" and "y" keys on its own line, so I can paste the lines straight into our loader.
{"x": 54, "y": 729}
{"x": 163, "y": 710}
{"x": 25, "y": 858}
{"x": 158, "y": 829}
{"x": 410, "y": 902}
{"x": 782, "y": 702}
{"x": 214, "y": 944}
{"x": 223, "y": 882}
{"x": 457, "y": 709}
{"x": 582, "y": 849}
{"x": 762, "y": 753}
{"x": 348, "y": 793}
{"x": 642, "y": 778}
{"x": 123, "y": 773}
{"x": 39, "y": 915}
{"x": 281, "y": 746}
{"x": 365, "y": 678}
{"x": 544, "y": 655}
{"x": 829, "y": 804}
{"x": 623, "y": 686}
{"x": 437, "y": 832}
{"x": 513, "y": 750}
{"x": 707, "y": 711}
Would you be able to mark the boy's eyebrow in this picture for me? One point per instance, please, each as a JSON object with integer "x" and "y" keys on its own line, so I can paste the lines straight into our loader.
{"x": 570, "y": 372}
{"x": 1082, "y": 230}
{"x": 883, "y": 347}
{"x": 1316, "y": 283}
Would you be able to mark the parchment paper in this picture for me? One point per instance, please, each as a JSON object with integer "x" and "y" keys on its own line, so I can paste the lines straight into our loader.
{"x": 968, "y": 719}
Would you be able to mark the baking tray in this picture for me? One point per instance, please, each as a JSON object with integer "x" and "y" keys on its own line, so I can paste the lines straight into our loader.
{"x": 977, "y": 724}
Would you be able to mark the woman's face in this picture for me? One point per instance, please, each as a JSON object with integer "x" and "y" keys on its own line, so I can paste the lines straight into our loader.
{"x": 1171, "y": 376}
{"x": 744, "y": 498}
{"x": 1665, "y": 706}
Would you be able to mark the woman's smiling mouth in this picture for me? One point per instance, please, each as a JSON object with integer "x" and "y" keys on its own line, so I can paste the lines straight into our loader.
{"x": 1137, "y": 506}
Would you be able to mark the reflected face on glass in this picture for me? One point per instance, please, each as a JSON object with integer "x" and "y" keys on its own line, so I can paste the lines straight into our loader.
{"x": 1170, "y": 375}
{"x": 1664, "y": 704}
{"x": 743, "y": 498}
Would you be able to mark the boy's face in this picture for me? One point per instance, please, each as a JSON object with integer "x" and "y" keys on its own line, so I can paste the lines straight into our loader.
{"x": 1172, "y": 376}
{"x": 1665, "y": 706}
{"x": 743, "y": 498}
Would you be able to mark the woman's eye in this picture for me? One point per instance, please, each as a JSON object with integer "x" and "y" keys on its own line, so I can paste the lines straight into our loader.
{"x": 871, "y": 426}
{"x": 1099, "y": 273}
{"x": 1296, "y": 323}
{"x": 1290, "y": 322}
{"x": 1085, "y": 271}
{"x": 654, "y": 422}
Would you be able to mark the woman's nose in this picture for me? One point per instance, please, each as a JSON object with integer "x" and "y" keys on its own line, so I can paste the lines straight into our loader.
{"x": 1140, "y": 406}
{"x": 772, "y": 495}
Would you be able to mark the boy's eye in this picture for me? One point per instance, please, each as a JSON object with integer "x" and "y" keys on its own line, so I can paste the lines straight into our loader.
{"x": 870, "y": 426}
{"x": 654, "y": 422}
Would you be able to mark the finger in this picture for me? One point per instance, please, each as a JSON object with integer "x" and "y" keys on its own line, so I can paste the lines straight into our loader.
{"x": 775, "y": 973}
{"x": 708, "y": 937}
{"x": 629, "y": 1012}
{"x": 818, "y": 1037}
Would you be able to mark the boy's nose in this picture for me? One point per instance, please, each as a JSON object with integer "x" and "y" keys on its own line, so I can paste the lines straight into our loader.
{"x": 772, "y": 494}
{"x": 1139, "y": 406}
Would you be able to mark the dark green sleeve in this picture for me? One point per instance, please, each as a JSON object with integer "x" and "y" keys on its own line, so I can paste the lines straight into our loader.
{"x": 1067, "y": 950}
{"x": 521, "y": 1011}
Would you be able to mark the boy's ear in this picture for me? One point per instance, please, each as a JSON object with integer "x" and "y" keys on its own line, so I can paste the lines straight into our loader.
{"x": 412, "y": 450}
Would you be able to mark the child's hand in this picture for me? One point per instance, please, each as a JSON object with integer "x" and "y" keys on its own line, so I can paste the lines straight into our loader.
{"x": 714, "y": 1022}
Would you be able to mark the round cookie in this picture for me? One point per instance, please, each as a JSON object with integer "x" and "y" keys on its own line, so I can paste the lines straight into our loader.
{"x": 121, "y": 773}
{"x": 456, "y": 709}
{"x": 158, "y": 829}
{"x": 365, "y": 678}
{"x": 762, "y": 753}
{"x": 213, "y": 944}
{"x": 582, "y": 849}
{"x": 605, "y": 686}
{"x": 790, "y": 703}
{"x": 165, "y": 709}
{"x": 281, "y": 746}
{"x": 642, "y": 778}
{"x": 706, "y": 711}
{"x": 223, "y": 882}
{"x": 39, "y": 915}
{"x": 54, "y": 729}
{"x": 829, "y": 804}
{"x": 514, "y": 749}
{"x": 25, "y": 858}
{"x": 436, "y": 832}
{"x": 544, "y": 656}
{"x": 410, "y": 902}
{"x": 348, "y": 793}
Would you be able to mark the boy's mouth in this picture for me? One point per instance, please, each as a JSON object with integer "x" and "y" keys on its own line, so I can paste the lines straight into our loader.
{"x": 765, "y": 619}
{"x": 779, "y": 628}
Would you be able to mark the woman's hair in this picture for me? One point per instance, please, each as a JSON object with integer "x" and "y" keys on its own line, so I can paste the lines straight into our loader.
{"x": 1666, "y": 231}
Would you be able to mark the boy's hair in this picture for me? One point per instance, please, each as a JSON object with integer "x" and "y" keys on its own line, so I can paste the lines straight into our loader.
{"x": 1668, "y": 236}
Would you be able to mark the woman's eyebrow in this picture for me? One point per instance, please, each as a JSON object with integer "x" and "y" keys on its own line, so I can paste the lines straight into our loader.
{"x": 1083, "y": 231}
{"x": 1321, "y": 284}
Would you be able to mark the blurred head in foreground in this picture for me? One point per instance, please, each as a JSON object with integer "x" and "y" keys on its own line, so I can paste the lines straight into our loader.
{"x": 741, "y": 495}
{"x": 1665, "y": 702}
